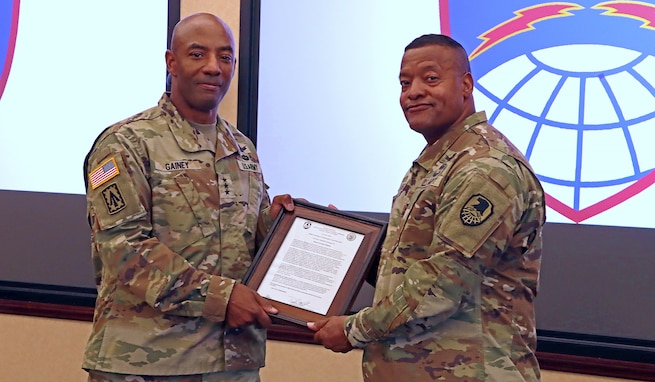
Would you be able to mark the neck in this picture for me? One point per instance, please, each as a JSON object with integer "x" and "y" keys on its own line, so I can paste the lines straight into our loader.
{"x": 202, "y": 118}
{"x": 195, "y": 115}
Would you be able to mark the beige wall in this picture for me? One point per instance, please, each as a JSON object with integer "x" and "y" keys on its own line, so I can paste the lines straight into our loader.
{"x": 36, "y": 349}
{"x": 228, "y": 10}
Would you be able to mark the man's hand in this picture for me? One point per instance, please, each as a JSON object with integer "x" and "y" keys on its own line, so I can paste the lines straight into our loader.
{"x": 246, "y": 307}
{"x": 281, "y": 201}
{"x": 331, "y": 334}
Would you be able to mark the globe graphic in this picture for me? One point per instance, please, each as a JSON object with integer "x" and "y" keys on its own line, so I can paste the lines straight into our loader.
{"x": 583, "y": 115}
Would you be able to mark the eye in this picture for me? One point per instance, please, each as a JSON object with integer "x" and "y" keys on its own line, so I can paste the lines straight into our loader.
{"x": 196, "y": 54}
{"x": 432, "y": 78}
{"x": 227, "y": 58}
{"x": 404, "y": 83}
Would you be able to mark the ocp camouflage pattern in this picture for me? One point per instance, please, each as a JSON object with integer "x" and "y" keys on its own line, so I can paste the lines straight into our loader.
{"x": 459, "y": 268}
{"x": 171, "y": 234}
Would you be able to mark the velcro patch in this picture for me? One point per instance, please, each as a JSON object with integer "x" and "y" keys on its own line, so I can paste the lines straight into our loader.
{"x": 103, "y": 173}
{"x": 180, "y": 165}
{"x": 476, "y": 213}
{"x": 113, "y": 198}
{"x": 248, "y": 166}
{"x": 476, "y": 210}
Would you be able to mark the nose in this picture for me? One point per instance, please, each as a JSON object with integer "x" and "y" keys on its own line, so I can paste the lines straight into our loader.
{"x": 414, "y": 90}
{"x": 212, "y": 66}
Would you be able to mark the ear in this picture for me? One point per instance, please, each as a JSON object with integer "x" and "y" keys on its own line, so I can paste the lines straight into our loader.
{"x": 467, "y": 84}
{"x": 234, "y": 68}
{"x": 171, "y": 64}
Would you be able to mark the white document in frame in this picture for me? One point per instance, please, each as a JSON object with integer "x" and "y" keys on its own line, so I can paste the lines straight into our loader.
{"x": 310, "y": 265}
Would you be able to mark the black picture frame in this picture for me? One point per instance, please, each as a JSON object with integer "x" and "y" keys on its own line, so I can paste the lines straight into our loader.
{"x": 362, "y": 264}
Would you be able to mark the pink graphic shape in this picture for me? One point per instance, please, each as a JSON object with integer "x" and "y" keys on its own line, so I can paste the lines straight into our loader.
{"x": 633, "y": 9}
{"x": 603, "y": 205}
{"x": 523, "y": 21}
{"x": 10, "y": 48}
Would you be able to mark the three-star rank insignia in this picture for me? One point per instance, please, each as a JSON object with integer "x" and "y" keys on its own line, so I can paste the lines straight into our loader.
{"x": 476, "y": 210}
{"x": 113, "y": 198}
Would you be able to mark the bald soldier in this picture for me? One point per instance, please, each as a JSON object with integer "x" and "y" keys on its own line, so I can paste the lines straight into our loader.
{"x": 460, "y": 264}
{"x": 177, "y": 205}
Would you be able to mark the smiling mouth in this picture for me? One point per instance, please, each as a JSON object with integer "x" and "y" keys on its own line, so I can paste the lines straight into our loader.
{"x": 209, "y": 86}
{"x": 418, "y": 107}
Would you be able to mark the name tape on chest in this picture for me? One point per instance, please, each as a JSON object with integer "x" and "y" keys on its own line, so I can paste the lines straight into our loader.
{"x": 181, "y": 165}
{"x": 248, "y": 166}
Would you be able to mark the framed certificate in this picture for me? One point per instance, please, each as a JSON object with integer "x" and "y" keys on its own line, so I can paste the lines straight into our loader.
{"x": 314, "y": 261}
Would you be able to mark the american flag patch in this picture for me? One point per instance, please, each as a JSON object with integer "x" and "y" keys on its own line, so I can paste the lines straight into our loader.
{"x": 103, "y": 173}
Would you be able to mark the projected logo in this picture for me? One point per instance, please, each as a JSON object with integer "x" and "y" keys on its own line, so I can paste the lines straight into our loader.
{"x": 8, "y": 28}
{"x": 572, "y": 84}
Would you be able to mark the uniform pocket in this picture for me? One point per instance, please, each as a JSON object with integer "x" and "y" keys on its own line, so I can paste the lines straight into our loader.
{"x": 179, "y": 214}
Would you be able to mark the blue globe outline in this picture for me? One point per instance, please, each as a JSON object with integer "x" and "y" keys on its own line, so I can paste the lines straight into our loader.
{"x": 577, "y": 184}
{"x": 587, "y": 25}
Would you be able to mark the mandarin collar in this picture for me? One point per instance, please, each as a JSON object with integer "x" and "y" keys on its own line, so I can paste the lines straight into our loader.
{"x": 432, "y": 153}
{"x": 186, "y": 136}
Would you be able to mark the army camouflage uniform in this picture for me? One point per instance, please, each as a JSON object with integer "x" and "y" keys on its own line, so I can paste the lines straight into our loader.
{"x": 460, "y": 266}
{"x": 221, "y": 376}
{"x": 175, "y": 220}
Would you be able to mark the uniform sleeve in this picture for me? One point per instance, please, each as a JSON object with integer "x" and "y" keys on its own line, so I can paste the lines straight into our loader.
{"x": 473, "y": 218}
{"x": 119, "y": 208}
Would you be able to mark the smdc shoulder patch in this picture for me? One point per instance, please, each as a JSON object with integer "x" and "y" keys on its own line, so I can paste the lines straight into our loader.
{"x": 476, "y": 210}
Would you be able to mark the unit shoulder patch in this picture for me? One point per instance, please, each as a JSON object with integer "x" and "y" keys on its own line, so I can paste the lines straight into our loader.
{"x": 113, "y": 198}
{"x": 476, "y": 210}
